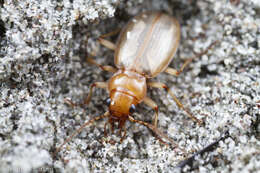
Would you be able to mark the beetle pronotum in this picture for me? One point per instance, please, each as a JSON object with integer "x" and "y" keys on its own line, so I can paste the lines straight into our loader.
{"x": 145, "y": 47}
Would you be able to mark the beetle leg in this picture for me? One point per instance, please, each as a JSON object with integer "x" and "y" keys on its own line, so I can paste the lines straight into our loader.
{"x": 157, "y": 132}
{"x": 153, "y": 128}
{"x": 206, "y": 50}
{"x": 112, "y": 127}
{"x": 179, "y": 104}
{"x": 102, "y": 67}
{"x": 70, "y": 103}
{"x": 87, "y": 99}
{"x": 153, "y": 105}
{"x": 112, "y": 33}
{"x": 108, "y": 44}
{"x": 106, "y": 114}
{"x": 175, "y": 72}
{"x": 124, "y": 134}
{"x": 105, "y": 129}
{"x": 96, "y": 84}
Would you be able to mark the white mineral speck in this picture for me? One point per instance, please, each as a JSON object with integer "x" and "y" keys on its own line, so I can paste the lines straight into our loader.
{"x": 42, "y": 61}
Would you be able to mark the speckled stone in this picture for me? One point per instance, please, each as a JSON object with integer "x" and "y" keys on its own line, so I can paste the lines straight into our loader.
{"x": 42, "y": 62}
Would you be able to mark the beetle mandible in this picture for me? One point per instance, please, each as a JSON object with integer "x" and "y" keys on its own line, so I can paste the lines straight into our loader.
{"x": 145, "y": 47}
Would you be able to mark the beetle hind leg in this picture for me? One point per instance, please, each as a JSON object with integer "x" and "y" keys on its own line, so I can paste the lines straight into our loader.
{"x": 102, "y": 67}
{"x": 108, "y": 44}
{"x": 175, "y": 72}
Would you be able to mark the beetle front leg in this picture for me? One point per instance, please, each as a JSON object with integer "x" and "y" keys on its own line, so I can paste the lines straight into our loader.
{"x": 149, "y": 102}
{"x": 91, "y": 121}
{"x": 96, "y": 84}
{"x": 124, "y": 133}
{"x": 179, "y": 104}
{"x": 87, "y": 99}
{"x": 105, "y": 129}
{"x": 158, "y": 134}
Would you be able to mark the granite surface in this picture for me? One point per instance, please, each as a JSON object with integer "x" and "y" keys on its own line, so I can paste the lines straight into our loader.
{"x": 43, "y": 51}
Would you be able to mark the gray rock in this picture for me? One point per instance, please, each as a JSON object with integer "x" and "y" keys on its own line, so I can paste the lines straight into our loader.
{"x": 42, "y": 61}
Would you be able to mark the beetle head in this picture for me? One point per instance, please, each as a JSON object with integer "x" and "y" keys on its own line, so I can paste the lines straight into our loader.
{"x": 120, "y": 105}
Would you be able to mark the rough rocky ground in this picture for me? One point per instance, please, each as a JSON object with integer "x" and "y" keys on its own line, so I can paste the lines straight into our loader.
{"x": 42, "y": 61}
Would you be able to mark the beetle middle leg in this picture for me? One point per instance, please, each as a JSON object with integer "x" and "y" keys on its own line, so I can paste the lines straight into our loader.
{"x": 153, "y": 105}
{"x": 179, "y": 104}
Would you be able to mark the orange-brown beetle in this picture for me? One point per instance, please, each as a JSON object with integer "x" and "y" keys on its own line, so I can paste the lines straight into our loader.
{"x": 145, "y": 47}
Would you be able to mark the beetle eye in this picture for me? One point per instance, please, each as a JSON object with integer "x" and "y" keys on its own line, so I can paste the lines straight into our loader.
{"x": 108, "y": 101}
{"x": 132, "y": 109}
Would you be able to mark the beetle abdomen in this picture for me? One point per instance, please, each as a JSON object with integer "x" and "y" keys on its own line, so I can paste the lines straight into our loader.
{"x": 148, "y": 43}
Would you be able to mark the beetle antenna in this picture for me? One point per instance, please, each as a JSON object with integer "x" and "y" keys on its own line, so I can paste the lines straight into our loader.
{"x": 157, "y": 132}
{"x": 106, "y": 114}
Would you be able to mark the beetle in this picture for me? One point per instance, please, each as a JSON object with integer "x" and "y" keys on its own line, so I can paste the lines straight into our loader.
{"x": 145, "y": 47}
